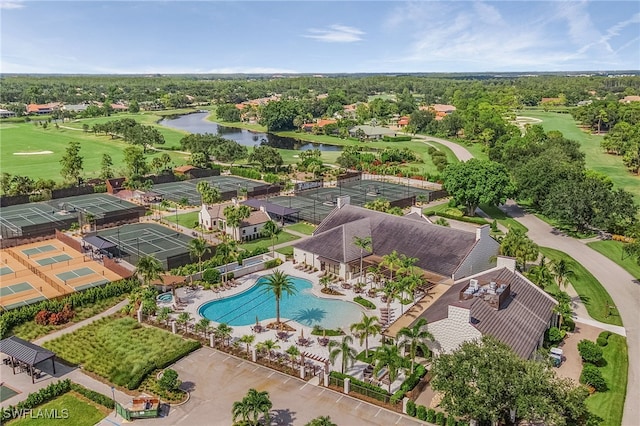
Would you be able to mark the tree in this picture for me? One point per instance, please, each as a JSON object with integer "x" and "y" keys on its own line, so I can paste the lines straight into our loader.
{"x": 199, "y": 159}
{"x": 477, "y": 182}
{"x": 198, "y": 247}
{"x": 252, "y": 406}
{"x": 344, "y": 350}
{"x": 388, "y": 356}
{"x": 270, "y": 229}
{"x": 71, "y": 163}
{"x": 136, "y": 164}
{"x": 590, "y": 351}
{"x": 279, "y": 284}
{"x": 516, "y": 244}
{"x": 169, "y": 380}
{"x": 266, "y": 156}
{"x": 223, "y": 332}
{"x": 364, "y": 244}
{"x": 293, "y": 352}
{"x": 134, "y": 107}
{"x": 234, "y": 215}
{"x": 106, "y": 171}
{"x": 183, "y": 319}
{"x": 321, "y": 421}
{"x": 561, "y": 272}
{"x": 416, "y": 337}
{"x": 164, "y": 314}
{"x": 203, "y": 326}
{"x": 248, "y": 340}
{"x": 149, "y": 268}
{"x": 369, "y": 326}
{"x": 268, "y": 346}
{"x": 392, "y": 261}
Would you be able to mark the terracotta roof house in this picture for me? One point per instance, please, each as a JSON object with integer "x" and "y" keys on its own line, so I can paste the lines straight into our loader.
{"x": 403, "y": 121}
{"x": 629, "y": 99}
{"x": 444, "y": 254}
{"x": 183, "y": 170}
{"x": 441, "y": 110}
{"x": 212, "y": 217}
{"x": 42, "y": 108}
{"x": 499, "y": 302}
{"x": 320, "y": 124}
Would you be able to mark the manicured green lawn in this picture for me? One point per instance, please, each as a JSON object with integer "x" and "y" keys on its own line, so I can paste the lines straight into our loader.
{"x": 302, "y": 227}
{"x": 70, "y": 408}
{"x": 287, "y": 251}
{"x": 442, "y": 208}
{"x": 25, "y": 137}
{"x": 609, "y": 405}
{"x": 282, "y": 237}
{"x": 613, "y": 250}
{"x": 188, "y": 220}
{"x": 596, "y": 159}
{"x": 117, "y": 348}
{"x": 503, "y": 218}
{"x": 593, "y": 295}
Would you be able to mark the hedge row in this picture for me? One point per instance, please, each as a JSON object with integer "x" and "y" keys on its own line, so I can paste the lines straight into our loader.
{"x": 396, "y": 138}
{"x": 247, "y": 173}
{"x": 169, "y": 359}
{"x": 365, "y": 385}
{"x": 14, "y": 317}
{"x": 364, "y": 302}
{"x": 476, "y": 220}
{"x": 37, "y": 398}
{"x": 430, "y": 415}
{"x": 273, "y": 263}
{"x": 93, "y": 396}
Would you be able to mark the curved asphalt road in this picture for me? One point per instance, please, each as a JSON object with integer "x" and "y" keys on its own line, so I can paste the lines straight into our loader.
{"x": 621, "y": 285}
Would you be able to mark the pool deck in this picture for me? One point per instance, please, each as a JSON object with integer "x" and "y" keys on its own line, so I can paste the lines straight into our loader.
{"x": 196, "y": 298}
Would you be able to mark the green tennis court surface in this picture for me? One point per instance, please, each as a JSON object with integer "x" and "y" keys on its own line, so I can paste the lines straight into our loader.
{"x": 55, "y": 259}
{"x": 64, "y": 276}
{"x": 16, "y": 288}
{"x": 38, "y": 250}
{"x": 6, "y": 270}
{"x": 93, "y": 284}
{"x": 25, "y": 302}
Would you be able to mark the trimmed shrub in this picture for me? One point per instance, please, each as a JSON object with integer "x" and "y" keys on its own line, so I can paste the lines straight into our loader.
{"x": 273, "y": 263}
{"x": 211, "y": 275}
{"x": 451, "y": 421}
{"x": 364, "y": 302}
{"x": 592, "y": 376}
{"x": 421, "y": 412}
{"x": 412, "y": 380}
{"x": 589, "y": 351}
{"x": 440, "y": 418}
{"x": 431, "y": 415}
{"x": 555, "y": 335}
{"x": 605, "y": 334}
{"x": 93, "y": 395}
{"x": 169, "y": 380}
{"x": 568, "y": 324}
{"x": 397, "y": 396}
{"x": 246, "y": 172}
{"x": 602, "y": 341}
{"x": 411, "y": 408}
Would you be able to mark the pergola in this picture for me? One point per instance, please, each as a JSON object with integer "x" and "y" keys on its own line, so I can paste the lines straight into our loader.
{"x": 25, "y": 352}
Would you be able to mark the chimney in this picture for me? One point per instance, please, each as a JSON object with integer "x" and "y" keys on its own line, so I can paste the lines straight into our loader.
{"x": 343, "y": 200}
{"x": 506, "y": 262}
{"x": 482, "y": 232}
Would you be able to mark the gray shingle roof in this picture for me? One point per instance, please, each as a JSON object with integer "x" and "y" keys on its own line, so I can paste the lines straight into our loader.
{"x": 270, "y": 207}
{"x": 437, "y": 248}
{"x": 24, "y": 351}
{"x": 519, "y": 323}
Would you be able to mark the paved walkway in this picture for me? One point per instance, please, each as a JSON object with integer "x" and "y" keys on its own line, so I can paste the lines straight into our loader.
{"x": 458, "y": 150}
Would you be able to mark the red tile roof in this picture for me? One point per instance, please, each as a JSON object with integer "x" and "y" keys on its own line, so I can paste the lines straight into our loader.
{"x": 320, "y": 123}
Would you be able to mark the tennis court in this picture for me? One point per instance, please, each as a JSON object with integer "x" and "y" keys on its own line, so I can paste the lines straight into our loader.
{"x": 15, "y": 288}
{"x": 149, "y": 239}
{"x": 32, "y": 219}
{"x": 227, "y": 185}
{"x": 101, "y": 206}
{"x": 69, "y": 275}
{"x": 6, "y": 270}
{"x": 54, "y": 259}
{"x": 37, "y": 250}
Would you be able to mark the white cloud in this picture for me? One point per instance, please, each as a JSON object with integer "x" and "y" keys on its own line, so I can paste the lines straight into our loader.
{"x": 11, "y": 4}
{"x": 336, "y": 34}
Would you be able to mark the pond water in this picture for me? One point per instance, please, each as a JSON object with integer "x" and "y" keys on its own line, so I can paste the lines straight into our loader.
{"x": 198, "y": 123}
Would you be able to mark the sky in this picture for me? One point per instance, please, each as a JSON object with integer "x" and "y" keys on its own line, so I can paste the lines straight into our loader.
{"x": 276, "y": 37}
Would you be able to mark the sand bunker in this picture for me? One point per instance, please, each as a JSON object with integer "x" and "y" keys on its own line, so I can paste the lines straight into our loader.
{"x": 33, "y": 153}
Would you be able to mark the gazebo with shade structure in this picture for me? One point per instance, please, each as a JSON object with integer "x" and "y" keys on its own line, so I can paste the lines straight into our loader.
{"x": 25, "y": 353}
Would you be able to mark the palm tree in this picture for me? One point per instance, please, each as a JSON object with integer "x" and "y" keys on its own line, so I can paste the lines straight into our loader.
{"x": 203, "y": 187}
{"x": 325, "y": 280}
{"x": 184, "y": 319}
{"x": 234, "y": 215}
{"x": 223, "y": 332}
{"x": 163, "y": 314}
{"x": 540, "y": 275}
{"x": 149, "y": 268}
{"x": 293, "y": 352}
{"x": 390, "y": 291}
{"x": 268, "y": 346}
{"x": 388, "y": 356}
{"x": 226, "y": 251}
{"x": 369, "y": 326}
{"x": 248, "y": 340}
{"x": 270, "y": 229}
{"x": 391, "y": 261}
{"x": 321, "y": 421}
{"x": 198, "y": 247}
{"x": 343, "y": 349}
{"x": 376, "y": 275}
{"x": 252, "y": 406}
{"x": 364, "y": 243}
{"x": 278, "y": 284}
{"x": 561, "y": 271}
{"x": 416, "y": 337}
{"x": 203, "y": 326}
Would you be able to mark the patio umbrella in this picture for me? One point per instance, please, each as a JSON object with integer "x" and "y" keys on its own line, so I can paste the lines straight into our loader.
{"x": 324, "y": 332}
{"x": 257, "y": 321}
{"x": 301, "y": 333}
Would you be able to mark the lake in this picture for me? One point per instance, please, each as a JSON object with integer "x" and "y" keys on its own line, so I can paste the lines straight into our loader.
{"x": 198, "y": 123}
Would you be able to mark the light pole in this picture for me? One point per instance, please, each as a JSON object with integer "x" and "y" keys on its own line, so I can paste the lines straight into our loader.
{"x": 113, "y": 395}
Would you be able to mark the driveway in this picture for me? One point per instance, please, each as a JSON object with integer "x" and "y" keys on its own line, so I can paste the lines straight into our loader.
{"x": 217, "y": 380}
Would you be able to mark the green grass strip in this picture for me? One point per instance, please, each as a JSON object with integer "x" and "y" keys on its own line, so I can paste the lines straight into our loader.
{"x": 613, "y": 250}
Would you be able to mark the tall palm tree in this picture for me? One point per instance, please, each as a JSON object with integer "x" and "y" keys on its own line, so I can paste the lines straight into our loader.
{"x": 364, "y": 243}
{"x": 268, "y": 346}
{"x": 203, "y": 326}
{"x": 223, "y": 332}
{"x": 344, "y": 349}
{"x": 278, "y": 284}
{"x": 416, "y": 337}
{"x": 390, "y": 290}
{"x": 149, "y": 268}
{"x": 541, "y": 274}
{"x": 561, "y": 272}
{"x": 248, "y": 340}
{"x": 203, "y": 187}
{"x": 391, "y": 261}
{"x": 226, "y": 251}
{"x": 369, "y": 326}
{"x": 293, "y": 352}
{"x": 270, "y": 229}
{"x": 376, "y": 275}
{"x": 198, "y": 247}
{"x": 234, "y": 215}
{"x": 252, "y": 406}
{"x": 388, "y": 356}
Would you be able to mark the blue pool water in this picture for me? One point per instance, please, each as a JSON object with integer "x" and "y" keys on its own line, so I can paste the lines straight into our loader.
{"x": 165, "y": 297}
{"x": 303, "y": 307}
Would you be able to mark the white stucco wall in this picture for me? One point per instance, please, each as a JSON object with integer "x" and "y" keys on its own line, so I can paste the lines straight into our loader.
{"x": 479, "y": 259}
{"x": 451, "y": 332}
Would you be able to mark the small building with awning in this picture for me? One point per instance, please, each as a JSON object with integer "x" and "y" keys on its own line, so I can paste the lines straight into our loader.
{"x": 280, "y": 213}
{"x": 27, "y": 353}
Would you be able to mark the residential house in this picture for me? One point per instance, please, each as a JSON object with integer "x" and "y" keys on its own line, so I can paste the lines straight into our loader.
{"x": 499, "y": 302}
{"x": 75, "y": 107}
{"x": 40, "y": 109}
{"x": 320, "y": 123}
{"x": 5, "y": 113}
{"x": 441, "y": 110}
{"x": 444, "y": 254}
{"x": 629, "y": 99}
{"x": 371, "y": 132}
{"x": 212, "y": 217}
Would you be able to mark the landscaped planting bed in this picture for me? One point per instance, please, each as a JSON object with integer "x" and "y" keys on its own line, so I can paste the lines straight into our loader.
{"x": 121, "y": 350}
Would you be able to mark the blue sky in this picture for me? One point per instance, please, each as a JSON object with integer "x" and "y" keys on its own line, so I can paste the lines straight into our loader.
{"x": 317, "y": 37}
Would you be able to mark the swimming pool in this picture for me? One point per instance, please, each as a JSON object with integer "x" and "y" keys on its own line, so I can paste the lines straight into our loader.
{"x": 165, "y": 297}
{"x": 303, "y": 307}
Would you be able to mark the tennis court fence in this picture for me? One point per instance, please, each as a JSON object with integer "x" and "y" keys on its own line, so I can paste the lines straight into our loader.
{"x": 34, "y": 270}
